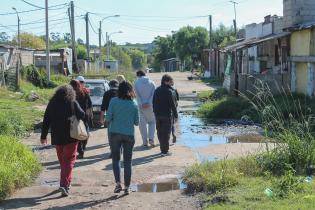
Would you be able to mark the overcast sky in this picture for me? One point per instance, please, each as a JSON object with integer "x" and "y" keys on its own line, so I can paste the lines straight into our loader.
{"x": 140, "y": 21}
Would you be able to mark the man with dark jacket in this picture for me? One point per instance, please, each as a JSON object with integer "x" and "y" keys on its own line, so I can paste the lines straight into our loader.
{"x": 164, "y": 108}
{"x": 108, "y": 95}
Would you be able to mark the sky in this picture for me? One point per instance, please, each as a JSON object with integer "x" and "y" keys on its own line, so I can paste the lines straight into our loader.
{"x": 140, "y": 20}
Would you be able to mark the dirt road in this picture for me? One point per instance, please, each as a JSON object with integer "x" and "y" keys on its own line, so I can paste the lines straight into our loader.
{"x": 93, "y": 181}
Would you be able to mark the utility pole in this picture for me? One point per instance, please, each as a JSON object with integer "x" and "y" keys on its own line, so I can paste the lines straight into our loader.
{"x": 87, "y": 39}
{"x": 19, "y": 20}
{"x": 72, "y": 25}
{"x": 100, "y": 41}
{"x": 107, "y": 47}
{"x": 234, "y": 21}
{"x": 210, "y": 32}
{"x": 47, "y": 41}
{"x": 210, "y": 44}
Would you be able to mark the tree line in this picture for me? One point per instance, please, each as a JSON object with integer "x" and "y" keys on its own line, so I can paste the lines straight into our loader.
{"x": 129, "y": 58}
{"x": 187, "y": 44}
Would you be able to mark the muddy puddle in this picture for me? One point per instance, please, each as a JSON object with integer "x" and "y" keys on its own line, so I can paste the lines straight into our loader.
{"x": 195, "y": 134}
{"x": 170, "y": 185}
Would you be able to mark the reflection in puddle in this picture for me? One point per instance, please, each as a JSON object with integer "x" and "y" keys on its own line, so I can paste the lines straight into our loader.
{"x": 192, "y": 128}
{"x": 173, "y": 184}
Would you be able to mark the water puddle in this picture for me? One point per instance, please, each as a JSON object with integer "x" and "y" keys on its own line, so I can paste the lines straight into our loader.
{"x": 192, "y": 131}
{"x": 170, "y": 185}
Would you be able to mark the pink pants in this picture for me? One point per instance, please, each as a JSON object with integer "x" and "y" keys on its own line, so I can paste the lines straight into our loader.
{"x": 67, "y": 157}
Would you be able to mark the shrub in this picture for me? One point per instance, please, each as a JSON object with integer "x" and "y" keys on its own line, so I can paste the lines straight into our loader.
{"x": 210, "y": 177}
{"x": 18, "y": 166}
{"x": 212, "y": 95}
{"x": 287, "y": 184}
{"x": 227, "y": 108}
{"x": 13, "y": 124}
{"x": 37, "y": 77}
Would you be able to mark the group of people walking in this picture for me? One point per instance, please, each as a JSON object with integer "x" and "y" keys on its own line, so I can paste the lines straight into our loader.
{"x": 124, "y": 106}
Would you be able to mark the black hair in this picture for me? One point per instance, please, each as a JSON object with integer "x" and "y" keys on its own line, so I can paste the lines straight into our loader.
{"x": 140, "y": 73}
{"x": 125, "y": 91}
{"x": 166, "y": 78}
{"x": 113, "y": 83}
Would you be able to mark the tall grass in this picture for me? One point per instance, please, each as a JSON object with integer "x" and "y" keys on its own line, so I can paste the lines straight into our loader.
{"x": 18, "y": 166}
{"x": 289, "y": 119}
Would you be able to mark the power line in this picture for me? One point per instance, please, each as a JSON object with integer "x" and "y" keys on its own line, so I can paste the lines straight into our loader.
{"x": 33, "y": 5}
{"x": 34, "y": 10}
{"x": 92, "y": 27}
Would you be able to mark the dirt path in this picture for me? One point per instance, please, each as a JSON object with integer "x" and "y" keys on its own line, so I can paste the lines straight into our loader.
{"x": 93, "y": 181}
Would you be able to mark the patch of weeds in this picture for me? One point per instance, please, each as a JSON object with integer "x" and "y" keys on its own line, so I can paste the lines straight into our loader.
{"x": 18, "y": 166}
{"x": 210, "y": 177}
{"x": 287, "y": 184}
{"x": 13, "y": 124}
{"x": 212, "y": 95}
{"x": 226, "y": 108}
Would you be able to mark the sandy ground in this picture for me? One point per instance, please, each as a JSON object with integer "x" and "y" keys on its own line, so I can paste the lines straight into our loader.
{"x": 93, "y": 181}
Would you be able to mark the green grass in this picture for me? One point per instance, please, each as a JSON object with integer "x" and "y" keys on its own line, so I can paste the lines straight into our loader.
{"x": 249, "y": 194}
{"x": 243, "y": 181}
{"x": 18, "y": 166}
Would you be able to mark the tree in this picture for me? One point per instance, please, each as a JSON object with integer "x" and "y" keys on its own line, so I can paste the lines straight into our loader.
{"x": 223, "y": 36}
{"x": 189, "y": 43}
{"x": 29, "y": 40}
{"x": 122, "y": 56}
{"x": 81, "y": 52}
{"x": 80, "y": 41}
{"x": 164, "y": 49}
{"x": 67, "y": 38}
{"x": 55, "y": 37}
{"x": 139, "y": 59}
{"x": 4, "y": 37}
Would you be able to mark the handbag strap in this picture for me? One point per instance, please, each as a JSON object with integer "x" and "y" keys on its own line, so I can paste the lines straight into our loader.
{"x": 72, "y": 108}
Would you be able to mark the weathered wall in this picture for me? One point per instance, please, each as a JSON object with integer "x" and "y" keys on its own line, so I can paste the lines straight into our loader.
{"x": 298, "y": 11}
{"x": 301, "y": 78}
{"x": 300, "y": 43}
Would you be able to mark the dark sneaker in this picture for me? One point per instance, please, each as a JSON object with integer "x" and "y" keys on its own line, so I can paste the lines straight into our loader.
{"x": 127, "y": 191}
{"x": 64, "y": 191}
{"x": 118, "y": 188}
{"x": 174, "y": 139}
{"x": 166, "y": 154}
{"x": 145, "y": 145}
{"x": 80, "y": 156}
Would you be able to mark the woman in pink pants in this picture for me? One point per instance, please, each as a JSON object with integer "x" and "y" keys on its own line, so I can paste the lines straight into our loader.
{"x": 59, "y": 109}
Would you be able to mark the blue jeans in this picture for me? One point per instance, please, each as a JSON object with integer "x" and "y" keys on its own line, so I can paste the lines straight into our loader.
{"x": 118, "y": 141}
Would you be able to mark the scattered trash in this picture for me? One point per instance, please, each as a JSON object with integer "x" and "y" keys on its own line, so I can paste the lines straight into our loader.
{"x": 308, "y": 179}
{"x": 268, "y": 192}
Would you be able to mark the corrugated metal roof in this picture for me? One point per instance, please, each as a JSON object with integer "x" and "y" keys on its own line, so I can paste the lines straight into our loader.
{"x": 255, "y": 41}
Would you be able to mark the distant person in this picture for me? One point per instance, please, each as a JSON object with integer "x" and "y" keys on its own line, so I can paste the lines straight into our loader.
{"x": 145, "y": 88}
{"x": 59, "y": 109}
{"x": 165, "y": 111}
{"x": 108, "y": 95}
{"x": 85, "y": 102}
{"x": 176, "y": 99}
{"x": 120, "y": 78}
{"x": 122, "y": 116}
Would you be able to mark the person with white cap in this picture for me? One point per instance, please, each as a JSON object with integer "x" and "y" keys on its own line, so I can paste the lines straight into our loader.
{"x": 81, "y": 79}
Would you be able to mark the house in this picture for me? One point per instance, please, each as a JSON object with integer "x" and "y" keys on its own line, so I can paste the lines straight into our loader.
{"x": 172, "y": 64}
{"x": 213, "y": 60}
{"x": 60, "y": 60}
{"x": 279, "y": 51}
{"x": 299, "y": 19}
{"x": 111, "y": 65}
{"x": 263, "y": 55}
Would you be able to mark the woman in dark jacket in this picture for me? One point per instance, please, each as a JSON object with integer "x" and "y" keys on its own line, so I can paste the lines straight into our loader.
{"x": 84, "y": 100}
{"x": 59, "y": 109}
